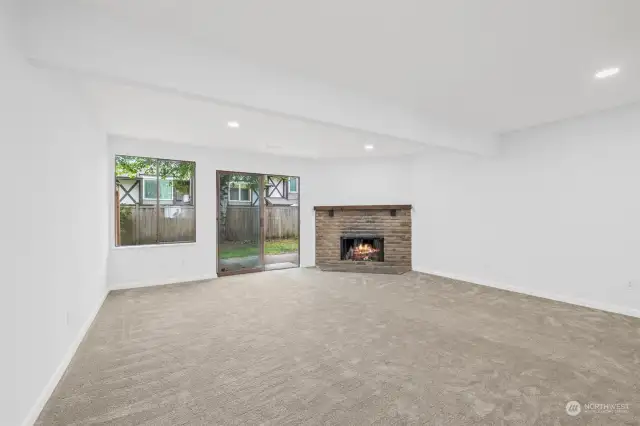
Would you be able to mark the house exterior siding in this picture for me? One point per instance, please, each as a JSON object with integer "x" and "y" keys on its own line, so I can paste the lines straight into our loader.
{"x": 134, "y": 197}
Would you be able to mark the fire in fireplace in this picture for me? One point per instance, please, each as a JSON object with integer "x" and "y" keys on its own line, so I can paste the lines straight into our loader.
{"x": 367, "y": 248}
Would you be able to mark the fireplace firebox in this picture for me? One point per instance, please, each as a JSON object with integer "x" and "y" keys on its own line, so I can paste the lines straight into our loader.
{"x": 362, "y": 248}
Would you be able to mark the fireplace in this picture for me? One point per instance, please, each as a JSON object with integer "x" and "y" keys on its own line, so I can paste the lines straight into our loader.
{"x": 362, "y": 248}
{"x": 372, "y": 239}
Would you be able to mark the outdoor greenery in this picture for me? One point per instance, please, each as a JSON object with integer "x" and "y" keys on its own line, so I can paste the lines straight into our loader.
{"x": 229, "y": 250}
{"x": 281, "y": 246}
{"x": 174, "y": 180}
{"x": 251, "y": 182}
{"x": 180, "y": 171}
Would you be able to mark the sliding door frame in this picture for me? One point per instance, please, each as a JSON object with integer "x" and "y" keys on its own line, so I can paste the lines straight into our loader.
{"x": 262, "y": 204}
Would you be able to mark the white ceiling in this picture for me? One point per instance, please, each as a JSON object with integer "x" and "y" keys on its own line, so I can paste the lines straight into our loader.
{"x": 498, "y": 65}
{"x": 145, "y": 113}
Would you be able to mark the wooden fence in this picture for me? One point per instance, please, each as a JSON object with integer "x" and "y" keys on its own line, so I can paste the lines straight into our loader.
{"x": 243, "y": 223}
{"x": 281, "y": 222}
{"x": 139, "y": 224}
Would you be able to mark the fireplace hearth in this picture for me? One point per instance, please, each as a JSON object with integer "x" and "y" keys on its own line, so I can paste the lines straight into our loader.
{"x": 362, "y": 248}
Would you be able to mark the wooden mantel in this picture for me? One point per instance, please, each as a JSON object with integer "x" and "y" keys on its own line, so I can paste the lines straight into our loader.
{"x": 391, "y": 207}
{"x": 366, "y": 207}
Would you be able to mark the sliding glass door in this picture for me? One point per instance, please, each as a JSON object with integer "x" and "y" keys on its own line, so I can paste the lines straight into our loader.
{"x": 282, "y": 222}
{"x": 258, "y": 222}
{"x": 240, "y": 230}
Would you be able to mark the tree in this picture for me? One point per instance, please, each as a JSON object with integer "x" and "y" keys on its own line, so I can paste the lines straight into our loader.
{"x": 181, "y": 172}
{"x": 251, "y": 181}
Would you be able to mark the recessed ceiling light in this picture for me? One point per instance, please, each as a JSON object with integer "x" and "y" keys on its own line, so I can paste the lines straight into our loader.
{"x": 233, "y": 124}
{"x": 607, "y": 72}
{"x": 368, "y": 147}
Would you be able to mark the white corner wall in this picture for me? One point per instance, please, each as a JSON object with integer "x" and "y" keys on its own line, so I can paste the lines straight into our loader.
{"x": 140, "y": 266}
{"x": 54, "y": 249}
{"x": 555, "y": 215}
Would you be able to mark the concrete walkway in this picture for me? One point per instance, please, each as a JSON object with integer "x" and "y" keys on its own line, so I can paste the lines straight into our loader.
{"x": 272, "y": 261}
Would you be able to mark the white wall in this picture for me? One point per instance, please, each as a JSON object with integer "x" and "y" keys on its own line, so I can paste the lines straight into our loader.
{"x": 151, "y": 265}
{"x": 361, "y": 181}
{"x": 555, "y": 215}
{"x": 53, "y": 251}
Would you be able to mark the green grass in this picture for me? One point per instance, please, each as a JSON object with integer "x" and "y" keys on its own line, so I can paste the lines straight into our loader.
{"x": 238, "y": 250}
{"x": 228, "y": 250}
{"x": 280, "y": 246}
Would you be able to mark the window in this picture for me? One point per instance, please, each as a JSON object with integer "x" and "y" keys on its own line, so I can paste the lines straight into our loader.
{"x": 154, "y": 201}
{"x": 293, "y": 185}
{"x": 151, "y": 187}
{"x": 240, "y": 192}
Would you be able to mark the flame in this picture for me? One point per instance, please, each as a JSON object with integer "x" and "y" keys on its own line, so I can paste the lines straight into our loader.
{"x": 364, "y": 251}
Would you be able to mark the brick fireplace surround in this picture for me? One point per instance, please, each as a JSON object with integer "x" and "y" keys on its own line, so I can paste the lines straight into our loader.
{"x": 391, "y": 222}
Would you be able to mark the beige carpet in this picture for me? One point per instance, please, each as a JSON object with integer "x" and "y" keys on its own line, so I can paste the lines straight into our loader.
{"x": 309, "y": 347}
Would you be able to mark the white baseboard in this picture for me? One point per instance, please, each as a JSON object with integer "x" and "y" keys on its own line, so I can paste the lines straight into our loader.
{"x": 557, "y": 297}
{"x": 35, "y": 411}
{"x": 128, "y": 286}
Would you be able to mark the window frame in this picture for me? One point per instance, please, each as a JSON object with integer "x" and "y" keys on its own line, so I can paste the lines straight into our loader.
{"x": 156, "y": 202}
{"x": 146, "y": 179}
{"x": 289, "y": 183}
{"x": 240, "y": 186}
